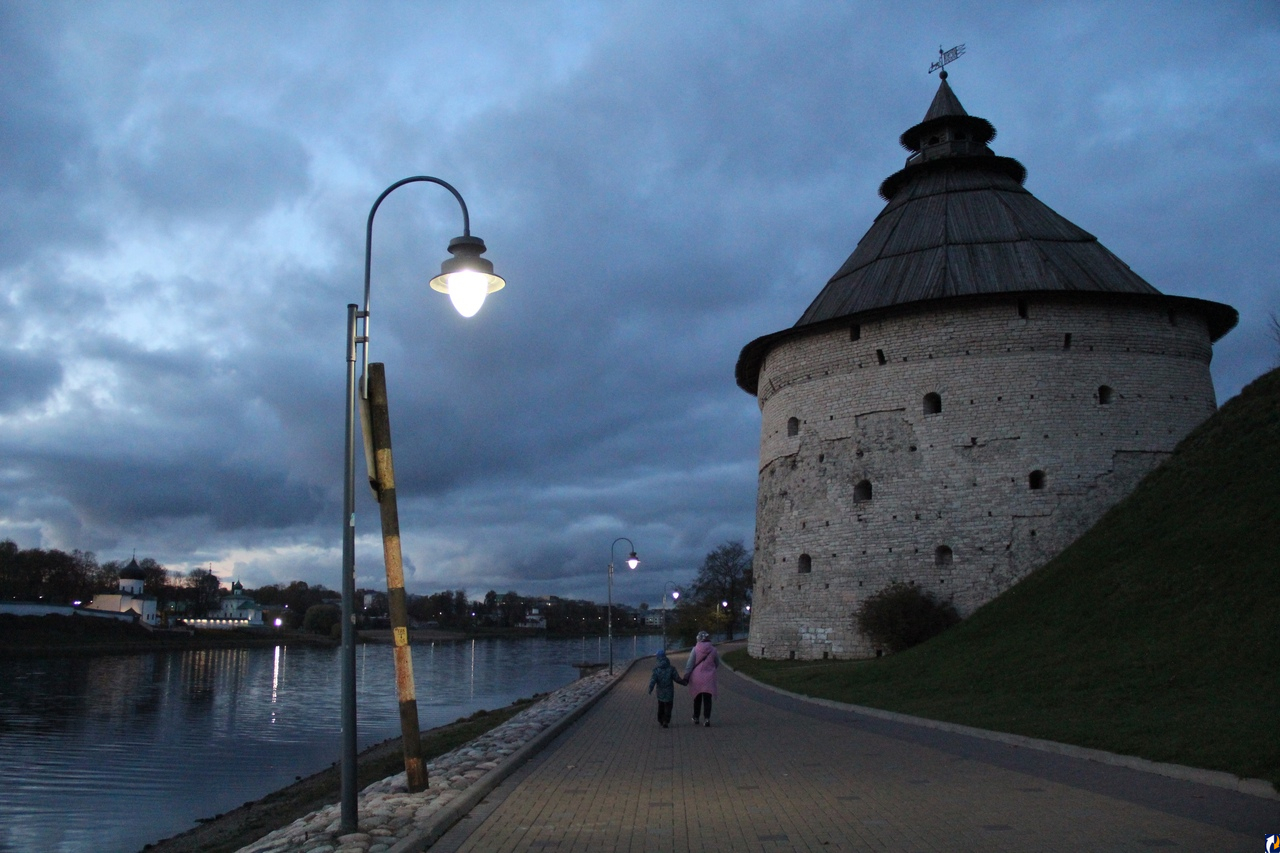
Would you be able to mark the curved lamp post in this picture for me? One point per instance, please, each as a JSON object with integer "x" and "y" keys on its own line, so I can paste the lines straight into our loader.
{"x": 467, "y": 278}
{"x": 675, "y": 596}
{"x": 632, "y": 562}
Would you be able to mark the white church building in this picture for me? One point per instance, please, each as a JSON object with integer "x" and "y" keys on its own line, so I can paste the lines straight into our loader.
{"x": 130, "y": 598}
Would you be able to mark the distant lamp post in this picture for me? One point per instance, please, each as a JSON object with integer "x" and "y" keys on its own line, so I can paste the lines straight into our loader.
{"x": 467, "y": 278}
{"x": 675, "y": 596}
{"x": 632, "y": 562}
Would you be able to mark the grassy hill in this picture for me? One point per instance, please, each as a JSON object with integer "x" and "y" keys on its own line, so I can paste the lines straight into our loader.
{"x": 1156, "y": 634}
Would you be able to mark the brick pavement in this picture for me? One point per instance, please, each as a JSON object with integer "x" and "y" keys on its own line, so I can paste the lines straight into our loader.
{"x": 775, "y": 773}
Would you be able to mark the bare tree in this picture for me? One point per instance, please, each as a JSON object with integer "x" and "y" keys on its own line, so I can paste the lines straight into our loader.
{"x": 722, "y": 585}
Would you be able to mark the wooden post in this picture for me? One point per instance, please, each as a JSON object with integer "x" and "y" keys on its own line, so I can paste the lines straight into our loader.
{"x": 380, "y": 423}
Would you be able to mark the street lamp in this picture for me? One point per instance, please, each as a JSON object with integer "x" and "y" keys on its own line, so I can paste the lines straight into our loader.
{"x": 675, "y": 596}
{"x": 632, "y": 562}
{"x": 467, "y": 278}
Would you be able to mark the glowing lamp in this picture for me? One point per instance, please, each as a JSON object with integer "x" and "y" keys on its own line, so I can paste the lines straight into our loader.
{"x": 467, "y": 277}
{"x": 633, "y": 560}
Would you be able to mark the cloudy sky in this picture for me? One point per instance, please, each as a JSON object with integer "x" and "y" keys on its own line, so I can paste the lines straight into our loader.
{"x": 182, "y": 208}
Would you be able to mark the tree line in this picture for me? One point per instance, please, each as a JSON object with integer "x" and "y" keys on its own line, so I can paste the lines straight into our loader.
{"x": 56, "y": 577}
{"x": 560, "y": 616}
{"x": 717, "y": 601}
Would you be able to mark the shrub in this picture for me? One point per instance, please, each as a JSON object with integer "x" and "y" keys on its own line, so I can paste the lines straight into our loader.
{"x": 321, "y": 618}
{"x": 902, "y": 615}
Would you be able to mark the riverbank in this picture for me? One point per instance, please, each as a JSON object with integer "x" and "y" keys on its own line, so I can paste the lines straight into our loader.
{"x": 416, "y": 635}
{"x": 76, "y": 636}
{"x": 224, "y": 833}
{"x": 392, "y": 819}
{"x": 82, "y": 636}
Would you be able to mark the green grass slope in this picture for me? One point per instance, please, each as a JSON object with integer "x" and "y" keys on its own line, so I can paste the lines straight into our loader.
{"x": 1156, "y": 634}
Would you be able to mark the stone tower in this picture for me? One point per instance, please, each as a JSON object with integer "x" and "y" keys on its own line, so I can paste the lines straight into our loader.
{"x": 978, "y": 383}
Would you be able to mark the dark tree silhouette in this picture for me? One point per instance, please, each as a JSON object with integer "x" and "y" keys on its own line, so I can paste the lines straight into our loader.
{"x": 722, "y": 588}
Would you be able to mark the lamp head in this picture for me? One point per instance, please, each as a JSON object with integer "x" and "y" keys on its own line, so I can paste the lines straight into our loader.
{"x": 467, "y": 277}
{"x": 633, "y": 560}
{"x": 675, "y": 594}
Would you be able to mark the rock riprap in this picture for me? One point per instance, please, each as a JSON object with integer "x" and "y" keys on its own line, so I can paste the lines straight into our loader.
{"x": 389, "y": 814}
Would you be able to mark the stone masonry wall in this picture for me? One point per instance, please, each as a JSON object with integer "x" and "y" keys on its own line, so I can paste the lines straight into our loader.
{"x": 1038, "y": 434}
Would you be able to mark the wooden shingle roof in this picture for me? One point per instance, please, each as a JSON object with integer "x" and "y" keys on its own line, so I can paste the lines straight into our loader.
{"x": 958, "y": 227}
{"x": 959, "y": 224}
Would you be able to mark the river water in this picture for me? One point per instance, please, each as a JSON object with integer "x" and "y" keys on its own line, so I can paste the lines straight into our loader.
{"x": 108, "y": 754}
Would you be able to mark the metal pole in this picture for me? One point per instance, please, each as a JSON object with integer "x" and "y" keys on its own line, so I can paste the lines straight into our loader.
{"x": 632, "y": 546}
{"x": 348, "y": 795}
{"x": 611, "y": 617}
{"x": 350, "y": 818}
{"x": 672, "y": 586}
{"x": 368, "y": 243}
{"x": 380, "y": 423}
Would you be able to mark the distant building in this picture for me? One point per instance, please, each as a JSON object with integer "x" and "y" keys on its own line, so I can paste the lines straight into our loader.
{"x": 534, "y": 620}
{"x": 238, "y": 611}
{"x": 130, "y": 598}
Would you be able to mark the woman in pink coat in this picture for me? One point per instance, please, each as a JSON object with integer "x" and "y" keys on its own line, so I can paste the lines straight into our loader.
{"x": 700, "y": 673}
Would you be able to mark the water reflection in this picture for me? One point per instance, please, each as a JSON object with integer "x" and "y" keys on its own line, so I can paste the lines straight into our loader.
{"x": 275, "y": 679}
{"x": 107, "y": 754}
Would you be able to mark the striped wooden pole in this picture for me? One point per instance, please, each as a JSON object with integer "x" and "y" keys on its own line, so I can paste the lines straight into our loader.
{"x": 380, "y": 426}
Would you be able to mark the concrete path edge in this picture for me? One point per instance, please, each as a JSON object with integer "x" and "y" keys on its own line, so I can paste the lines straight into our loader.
{"x": 1215, "y": 778}
{"x": 462, "y": 805}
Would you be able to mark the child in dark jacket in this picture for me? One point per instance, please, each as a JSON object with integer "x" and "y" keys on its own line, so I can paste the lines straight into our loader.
{"x": 664, "y": 676}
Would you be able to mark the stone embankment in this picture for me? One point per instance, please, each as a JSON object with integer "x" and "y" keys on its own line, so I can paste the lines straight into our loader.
{"x": 392, "y": 820}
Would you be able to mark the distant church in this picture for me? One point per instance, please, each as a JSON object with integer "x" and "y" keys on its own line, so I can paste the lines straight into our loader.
{"x": 969, "y": 393}
{"x": 130, "y": 599}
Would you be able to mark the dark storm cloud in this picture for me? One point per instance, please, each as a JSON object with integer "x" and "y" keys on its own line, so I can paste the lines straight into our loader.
{"x": 44, "y": 141}
{"x": 26, "y": 379}
{"x": 125, "y": 493}
{"x": 659, "y": 185}
{"x": 193, "y": 163}
{"x": 197, "y": 439}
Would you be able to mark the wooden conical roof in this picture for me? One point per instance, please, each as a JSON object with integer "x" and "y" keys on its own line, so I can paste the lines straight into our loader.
{"x": 959, "y": 223}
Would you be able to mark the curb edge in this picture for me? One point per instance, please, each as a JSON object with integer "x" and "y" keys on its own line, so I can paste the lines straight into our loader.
{"x": 1214, "y": 778}
{"x": 471, "y": 796}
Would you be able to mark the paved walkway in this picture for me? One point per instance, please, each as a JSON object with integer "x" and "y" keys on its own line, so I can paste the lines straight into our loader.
{"x": 776, "y": 773}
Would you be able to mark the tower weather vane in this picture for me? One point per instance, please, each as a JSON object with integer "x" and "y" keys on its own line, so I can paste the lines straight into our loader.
{"x": 945, "y": 57}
